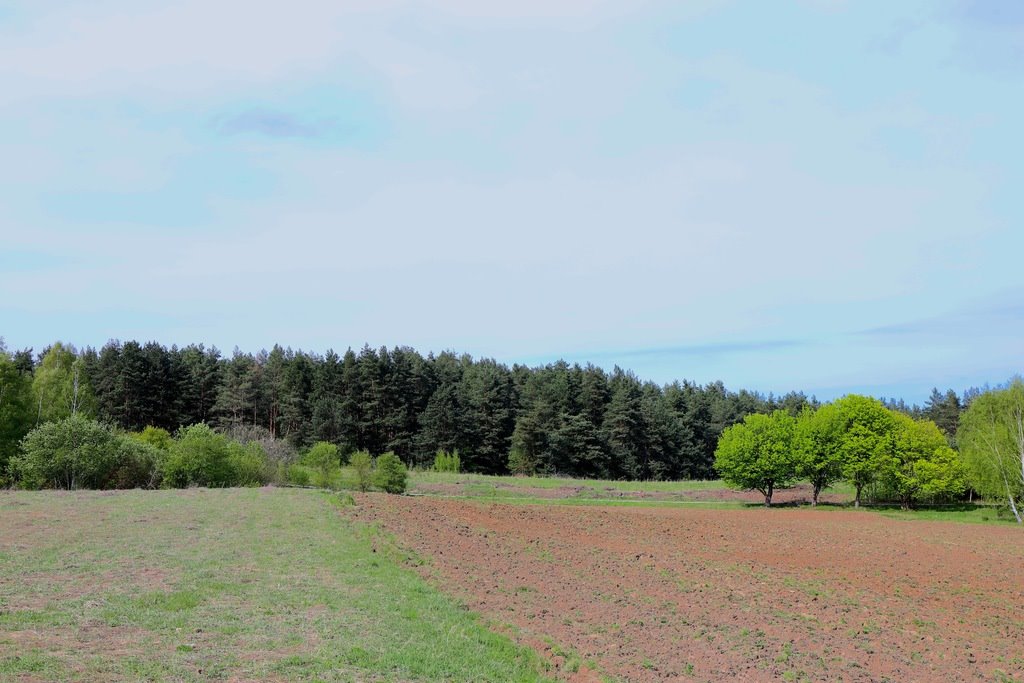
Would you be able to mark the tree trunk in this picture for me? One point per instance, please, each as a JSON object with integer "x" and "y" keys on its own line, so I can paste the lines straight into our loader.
{"x": 814, "y": 495}
{"x": 856, "y": 500}
{"x": 1013, "y": 504}
{"x": 1016, "y": 513}
{"x": 768, "y": 496}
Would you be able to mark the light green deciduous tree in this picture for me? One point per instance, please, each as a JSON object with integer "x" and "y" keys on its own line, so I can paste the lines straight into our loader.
{"x": 61, "y": 386}
{"x": 758, "y": 453}
{"x": 867, "y": 435}
{"x": 818, "y": 447}
{"x": 920, "y": 463}
{"x": 991, "y": 439}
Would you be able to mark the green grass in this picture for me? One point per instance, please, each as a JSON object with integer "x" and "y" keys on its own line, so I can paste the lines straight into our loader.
{"x": 431, "y": 477}
{"x": 237, "y": 584}
{"x": 965, "y": 512}
{"x": 599, "y": 492}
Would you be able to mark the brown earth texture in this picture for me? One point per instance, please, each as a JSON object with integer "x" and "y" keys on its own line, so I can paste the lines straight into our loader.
{"x": 666, "y": 594}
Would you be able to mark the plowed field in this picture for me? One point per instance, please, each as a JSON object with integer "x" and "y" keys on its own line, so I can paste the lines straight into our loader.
{"x": 649, "y": 594}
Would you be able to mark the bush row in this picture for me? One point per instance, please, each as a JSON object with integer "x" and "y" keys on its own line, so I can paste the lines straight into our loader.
{"x": 79, "y": 453}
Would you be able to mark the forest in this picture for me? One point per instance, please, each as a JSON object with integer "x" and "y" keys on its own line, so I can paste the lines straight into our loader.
{"x": 554, "y": 419}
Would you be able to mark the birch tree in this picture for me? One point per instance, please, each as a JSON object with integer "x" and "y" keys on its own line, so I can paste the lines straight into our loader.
{"x": 991, "y": 439}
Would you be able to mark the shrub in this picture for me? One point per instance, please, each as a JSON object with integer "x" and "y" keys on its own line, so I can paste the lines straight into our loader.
{"x": 248, "y": 464}
{"x": 520, "y": 463}
{"x": 323, "y": 457}
{"x": 362, "y": 466}
{"x": 72, "y": 453}
{"x": 276, "y": 450}
{"x": 391, "y": 473}
{"x": 154, "y": 436}
{"x": 140, "y": 464}
{"x": 202, "y": 457}
{"x": 297, "y": 475}
{"x": 447, "y": 462}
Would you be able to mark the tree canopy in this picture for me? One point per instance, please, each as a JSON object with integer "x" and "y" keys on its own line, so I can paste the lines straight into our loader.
{"x": 758, "y": 453}
{"x": 991, "y": 439}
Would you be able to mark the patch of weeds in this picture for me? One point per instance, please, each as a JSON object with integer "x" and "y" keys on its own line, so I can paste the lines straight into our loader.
{"x": 177, "y": 601}
{"x": 31, "y": 662}
{"x": 344, "y": 499}
{"x": 787, "y": 652}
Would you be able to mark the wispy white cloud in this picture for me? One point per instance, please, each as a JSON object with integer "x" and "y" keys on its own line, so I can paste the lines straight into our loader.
{"x": 275, "y": 124}
{"x": 582, "y": 175}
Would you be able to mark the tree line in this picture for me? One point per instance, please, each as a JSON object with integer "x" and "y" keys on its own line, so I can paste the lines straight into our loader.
{"x": 856, "y": 439}
{"x": 866, "y": 443}
{"x": 555, "y": 419}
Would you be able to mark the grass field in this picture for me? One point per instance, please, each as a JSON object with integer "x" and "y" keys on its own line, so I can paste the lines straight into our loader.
{"x": 238, "y": 584}
{"x": 429, "y": 477}
{"x": 294, "y": 584}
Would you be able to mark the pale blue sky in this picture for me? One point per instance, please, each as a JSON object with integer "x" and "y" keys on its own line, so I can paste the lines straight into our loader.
{"x": 820, "y": 194}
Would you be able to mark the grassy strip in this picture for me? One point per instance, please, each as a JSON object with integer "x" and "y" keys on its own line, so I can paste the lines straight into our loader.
{"x": 240, "y": 584}
{"x": 963, "y": 513}
{"x": 430, "y": 477}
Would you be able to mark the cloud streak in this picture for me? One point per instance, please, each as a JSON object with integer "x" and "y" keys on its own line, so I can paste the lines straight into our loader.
{"x": 713, "y": 349}
{"x": 275, "y": 124}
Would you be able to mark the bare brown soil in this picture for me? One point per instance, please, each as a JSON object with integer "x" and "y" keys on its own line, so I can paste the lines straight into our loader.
{"x": 650, "y": 594}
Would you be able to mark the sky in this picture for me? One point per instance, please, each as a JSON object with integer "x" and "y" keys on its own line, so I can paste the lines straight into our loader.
{"x": 821, "y": 195}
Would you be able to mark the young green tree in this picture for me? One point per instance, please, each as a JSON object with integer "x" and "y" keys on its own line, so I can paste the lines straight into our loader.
{"x": 447, "y": 462}
{"x": 520, "y": 463}
{"x": 758, "y": 453}
{"x": 391, "y": 473}
{"x": 199, "y": 457}
{"x": 867, "y": 434}
{"x": 156, "y": 437}
{"x": 817, "y": 445}
{"x": 991, "y": 438}
{"x": 73, "y": 453}
{"x": 362, "y": 467}
{"x": 61, "y": 386}
{"x": 16, "y": 413}
{"x": 324, "y": 458}
{"x": 920, "y": 463}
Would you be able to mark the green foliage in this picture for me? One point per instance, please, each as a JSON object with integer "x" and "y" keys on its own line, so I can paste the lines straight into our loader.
{"x": 868, "y": 428}
{"x": 391, "y": 475}
{"x": 156, "y": 437}
{"x": 325, "y": 460}
{"x": 362, "y": 466}
{"x": 447, "y": 462}
{"x": 920, "y": 463}
{"x": 248, "y": 464}
{"x": 299, "y": 475}
{"x": 758, "y": 453}
{"x": 140, "y": 464}
{"x": 520, "y": 463}
{"x": 818, "y": 447}
{"x": 61, "y": 385}
{"x": 200, "y": 456}
{"x": 16, "y": 415}
{"x": 73, "y": 453}
{"x": 991, "y": 439}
